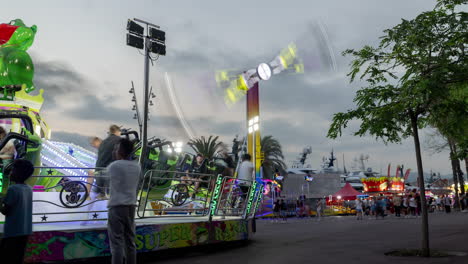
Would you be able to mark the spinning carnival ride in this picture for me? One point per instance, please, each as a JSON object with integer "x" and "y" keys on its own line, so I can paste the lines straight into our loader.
{"x": 175, "y": 209}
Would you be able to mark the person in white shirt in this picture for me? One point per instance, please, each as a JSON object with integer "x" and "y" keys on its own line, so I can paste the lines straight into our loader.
{"x": 439, "y": 203}
{"x": 412, "y": 205}
{"x": 124, "y": 175}
{"x": 245, "y": 174}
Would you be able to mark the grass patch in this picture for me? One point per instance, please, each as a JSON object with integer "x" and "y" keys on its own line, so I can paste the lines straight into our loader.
{"x": 415, "y": 253}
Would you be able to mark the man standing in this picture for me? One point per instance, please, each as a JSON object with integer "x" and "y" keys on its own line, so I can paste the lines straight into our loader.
{"x": 245, "y": 175}
{"x": 95, "y": 142}
{"x": 447, "y": 203}
{"x": 104, "y": 158}
{"x": 124, "y": 175}
{"x": 397, "y": 205}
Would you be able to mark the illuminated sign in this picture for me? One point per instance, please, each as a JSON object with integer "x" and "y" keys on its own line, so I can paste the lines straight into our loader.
{"x": 309, "y": 178}
{"x": 217, "y": 191}
{"x": 251, "y": 196}
{"x": 259, "y": 198}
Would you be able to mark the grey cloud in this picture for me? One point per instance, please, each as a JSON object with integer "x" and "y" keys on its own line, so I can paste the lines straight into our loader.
{"x": 295, "y": 92}
{"x": 75, "y": 138}
{"x": 57, "y": 78}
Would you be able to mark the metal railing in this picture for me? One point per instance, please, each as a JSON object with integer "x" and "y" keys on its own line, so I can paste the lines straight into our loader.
{"x": 233, "y": 198}
{"x": 171, "y": 193}
{"x": 69, "y": 198}
{"x": 58, "y": 196}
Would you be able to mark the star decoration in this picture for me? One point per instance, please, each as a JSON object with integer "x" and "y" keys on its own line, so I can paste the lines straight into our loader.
{"x": 95, "y": 215}
{"x": 44, "y": 218}
{"x": 50, "y": 172}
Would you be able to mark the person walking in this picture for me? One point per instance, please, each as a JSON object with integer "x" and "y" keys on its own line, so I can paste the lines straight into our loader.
{"x": 405, "y": 205}
{"x": 124, "y": 175}
{"x": 447, "y": 203}
{"x": 412, "y": 205}
{"x": 276, "y": 210}
{"x": 380, "y": 208}
{"x": 319, "y": 209}
{"x": 284, "y": 210}
{"x": 17, "y": 208}
{"x": 359, "y": 206}
{"x": 418, "y": 204}
{"x": 397, "y": 205}
{"x": 373, "y": 205}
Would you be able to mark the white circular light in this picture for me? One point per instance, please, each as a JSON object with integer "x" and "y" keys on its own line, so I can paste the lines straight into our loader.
{"x": 264, "y": 71}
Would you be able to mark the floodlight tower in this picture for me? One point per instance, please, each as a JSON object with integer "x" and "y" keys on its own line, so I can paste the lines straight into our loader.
{"x": 152, "y": 42}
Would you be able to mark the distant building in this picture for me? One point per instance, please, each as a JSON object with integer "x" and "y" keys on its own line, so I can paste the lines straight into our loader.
{"x": 320, "y": 186}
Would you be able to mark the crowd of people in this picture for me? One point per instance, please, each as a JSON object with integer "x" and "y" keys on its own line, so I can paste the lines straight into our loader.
{"x": 408, "y": 205}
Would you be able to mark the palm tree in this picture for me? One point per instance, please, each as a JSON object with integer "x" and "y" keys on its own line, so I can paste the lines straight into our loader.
{"x": 273, "y": 156}
{"x": 207, "y": 147}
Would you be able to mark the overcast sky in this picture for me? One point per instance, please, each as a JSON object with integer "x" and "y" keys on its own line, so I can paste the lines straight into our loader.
{"x": 85, "y": 68}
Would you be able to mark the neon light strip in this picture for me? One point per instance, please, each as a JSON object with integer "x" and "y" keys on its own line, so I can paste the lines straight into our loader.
{"x": 251, "y": 197}
{"x": 1, "y": 182}
{"x": 217, "y": 191}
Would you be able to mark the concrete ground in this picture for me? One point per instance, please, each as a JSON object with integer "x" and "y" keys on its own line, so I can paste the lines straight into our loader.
{"x": 338, "y": 240}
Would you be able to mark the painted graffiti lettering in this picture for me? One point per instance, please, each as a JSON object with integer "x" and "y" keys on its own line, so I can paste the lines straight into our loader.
{"x": 164, "y": 237}
{"x": 231, "y": 232}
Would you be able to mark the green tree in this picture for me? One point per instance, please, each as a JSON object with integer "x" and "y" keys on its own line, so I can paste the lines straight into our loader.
{"x": 273, "y": 156}
{"x": 208, "y": 147}
{"x": 407, "y": 77}
{"x": 450, "y": 120}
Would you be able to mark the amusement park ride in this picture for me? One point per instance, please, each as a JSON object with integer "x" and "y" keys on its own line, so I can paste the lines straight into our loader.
{"x": 69, "y": 222}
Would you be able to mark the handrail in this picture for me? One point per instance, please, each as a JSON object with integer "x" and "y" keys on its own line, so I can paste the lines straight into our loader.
{"x": 162, "y": 183}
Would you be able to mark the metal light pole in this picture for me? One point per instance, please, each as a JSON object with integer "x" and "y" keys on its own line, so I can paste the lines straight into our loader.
{"x": 144, "y": 132}
{"x": 152, "y": 42}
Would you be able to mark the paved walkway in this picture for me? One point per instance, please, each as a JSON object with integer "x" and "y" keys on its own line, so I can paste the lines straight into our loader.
{"x": 341, "y": 240}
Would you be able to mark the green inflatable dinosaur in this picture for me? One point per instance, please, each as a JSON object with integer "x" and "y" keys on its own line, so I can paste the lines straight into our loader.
{"x": 16, "y": 67}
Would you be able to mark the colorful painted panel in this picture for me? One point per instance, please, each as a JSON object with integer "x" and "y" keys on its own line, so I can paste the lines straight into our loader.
{"x": 60, "y": 245}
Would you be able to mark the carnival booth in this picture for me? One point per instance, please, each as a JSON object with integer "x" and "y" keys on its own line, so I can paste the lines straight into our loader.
{"x": 342, "y": 202}
{"x": 384, "y": 186}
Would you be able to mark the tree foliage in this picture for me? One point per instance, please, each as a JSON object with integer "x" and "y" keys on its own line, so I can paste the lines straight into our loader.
{"x": 208, "y": 147}
{"x": 414, "y": 71}
{"x": 273, "y": 155}
{"x": 411, "y": 78}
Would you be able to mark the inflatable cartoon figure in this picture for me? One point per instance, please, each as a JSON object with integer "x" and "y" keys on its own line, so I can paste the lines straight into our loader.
{"x": 16, "y": 67}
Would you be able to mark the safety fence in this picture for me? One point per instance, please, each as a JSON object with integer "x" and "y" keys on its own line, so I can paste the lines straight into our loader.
{"x": 69, "y": 194}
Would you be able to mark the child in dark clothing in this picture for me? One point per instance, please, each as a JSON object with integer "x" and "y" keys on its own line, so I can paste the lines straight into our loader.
{"x": 17, "y": 207}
